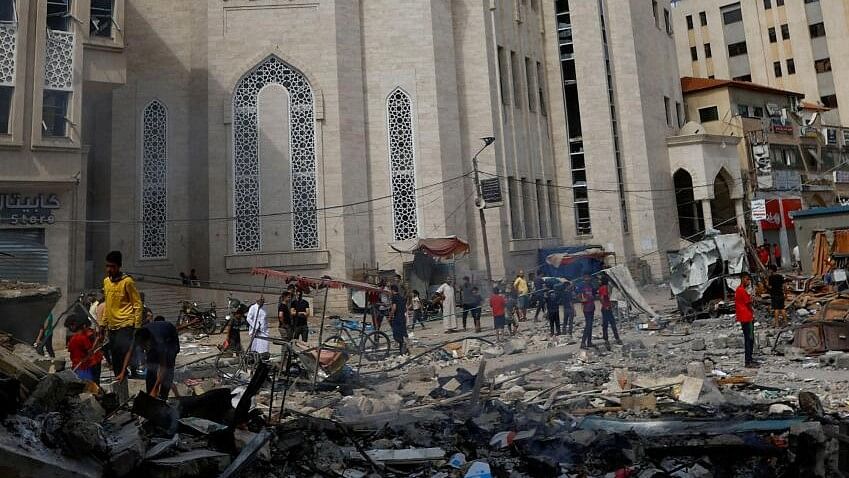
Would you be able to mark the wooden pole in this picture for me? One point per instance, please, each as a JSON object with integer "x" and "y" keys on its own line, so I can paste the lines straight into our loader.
{"x": 320, "y": 338}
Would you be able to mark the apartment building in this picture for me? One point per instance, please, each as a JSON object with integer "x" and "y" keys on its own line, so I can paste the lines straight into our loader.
{"x": 796, "y": 45}
{"x": 59, "y": 61}
{"x": 616, "y": 97}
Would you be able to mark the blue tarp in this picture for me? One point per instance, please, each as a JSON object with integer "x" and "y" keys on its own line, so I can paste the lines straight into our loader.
{"x": 572, "y": 271}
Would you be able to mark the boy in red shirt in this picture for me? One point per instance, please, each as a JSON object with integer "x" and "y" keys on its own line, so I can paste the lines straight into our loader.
{"x": 746, "y": 316}
{"x": 84, "y": 359}
{"x": 498, "y": 303}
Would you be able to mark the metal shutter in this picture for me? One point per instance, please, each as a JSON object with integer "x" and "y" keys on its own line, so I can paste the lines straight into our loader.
{"x": 23, "y": 255}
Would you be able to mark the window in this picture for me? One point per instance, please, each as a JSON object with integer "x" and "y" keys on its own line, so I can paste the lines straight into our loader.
{"x": 703, "y": 18}
{"x": 667, "y": 21}
{"x": 830, "y": 101}
{"x": 785, "y": 32}
{"x": 541, "y": 86}
{"x": 791, "y": 66}
{"x": 743, "y": 110}
{"x": 811, "y": 1}
{"x": 246, "y": 227}
{"x": 529, "y": 77}
{"x": 732, "y": 14}
{"x": 101, "y": 18}
{"x": 502, "y": 76}
{"x": 5, "y": 108}
{"x": 746, "y": 78}
{"x": 710, "y": 77}
{"x": 679, "y": 113}
{"x": 7, "y": 10}
{"x": 53, "y": 113}
{"x": 737, "y": 49}
{"x": 402, "y": 166}
{"x": 708, "y": 51}
{"x": 823, "y": 65}
{"x": 154, "y": 190}
{"x": 527, "y": 210}
{"x": 817, "y": 30}
{"x": 666, "y": 110}
{"x": 776, "y": 66}
{"x": 59, "y": 14}
{"x": 654, "y": 12}
{"x": 517, "y": 82}
{"x": 694, "y": 53}
{"x": 541, "y": 205}
{"x": 689, "y": 22}
{"x": 553, "y": 209}
{"x": 767, "y": 4}
{"x": 779, "y": 3}
{"x": 759, "y": 112}
{"x": 772, "y": 36}
{"x": 515, "y": 221}
{"x": 708, "y": 114}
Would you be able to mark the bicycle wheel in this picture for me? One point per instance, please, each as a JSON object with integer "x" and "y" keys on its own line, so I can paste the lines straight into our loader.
{"x": 336, "y": 342}
{"x": 376, "y": 346}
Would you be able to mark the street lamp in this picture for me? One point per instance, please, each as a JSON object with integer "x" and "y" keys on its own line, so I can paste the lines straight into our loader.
{"x": 488, "y": 140}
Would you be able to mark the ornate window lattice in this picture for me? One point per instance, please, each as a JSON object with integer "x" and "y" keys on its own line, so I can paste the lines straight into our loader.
{"x": 402, "y": 166}
{"x": 8, "y": 46}
{"x": 246, "y": 193}
{"x": 154, "y": 233}
{"x": 59, "y": 61}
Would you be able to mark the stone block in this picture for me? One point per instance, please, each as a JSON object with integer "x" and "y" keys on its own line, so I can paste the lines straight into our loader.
{"x": 515, "y": 346}
{"x": 696, "y": 370}
{"x": 698, "y": 345}
{"x": 424, "y": 373}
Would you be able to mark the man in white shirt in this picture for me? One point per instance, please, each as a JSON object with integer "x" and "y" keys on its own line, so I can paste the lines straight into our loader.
{"x": 258, "y": 327}
{"x": 449, "y": 314}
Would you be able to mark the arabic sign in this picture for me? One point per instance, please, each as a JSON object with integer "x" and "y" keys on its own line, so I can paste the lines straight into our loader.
{"x": 18, "y": 209}
{"x": 758, "y": 209}
{"x": 779, "y": 121}
{"x": 773, "y": 221}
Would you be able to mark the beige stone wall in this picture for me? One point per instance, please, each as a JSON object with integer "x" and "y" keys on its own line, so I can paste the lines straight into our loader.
{"x": 762, "y": 53}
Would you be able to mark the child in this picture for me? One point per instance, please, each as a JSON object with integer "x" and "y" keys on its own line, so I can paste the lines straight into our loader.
{"x": 84, "y": 358}
{"x": 418, "y": 313}
{"x": 498, "y": 303}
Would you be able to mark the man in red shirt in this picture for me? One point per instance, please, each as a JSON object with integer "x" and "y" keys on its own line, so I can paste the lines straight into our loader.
{"x": 498, "y": 303}
{"x": 607, "y": 318}
{"x": 746, "y": 316}
{"x": 776, "y": 254}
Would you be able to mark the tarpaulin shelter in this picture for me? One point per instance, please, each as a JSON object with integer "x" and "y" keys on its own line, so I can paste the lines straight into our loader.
{"x": 571, "y": 262}
{"x": 439, "y": 247}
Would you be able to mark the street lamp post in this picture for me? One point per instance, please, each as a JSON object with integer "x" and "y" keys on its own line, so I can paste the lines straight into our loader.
{"x": 479, "y": 203}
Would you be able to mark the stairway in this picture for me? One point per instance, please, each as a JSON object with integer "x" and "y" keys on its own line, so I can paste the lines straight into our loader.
{"x": 163, "y": 299}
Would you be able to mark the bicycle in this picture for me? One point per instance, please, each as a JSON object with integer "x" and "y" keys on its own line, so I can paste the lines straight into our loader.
{"x": 191, "y": 317}
{"x": 374, "y": 346}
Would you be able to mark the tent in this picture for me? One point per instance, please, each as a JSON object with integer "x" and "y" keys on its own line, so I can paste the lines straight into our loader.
{"x": 571, "y": 262}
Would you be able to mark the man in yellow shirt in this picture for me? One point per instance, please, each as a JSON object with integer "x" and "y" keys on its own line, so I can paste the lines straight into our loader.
{"x": 520, "y": 285}
{"x": 122, "y": 311}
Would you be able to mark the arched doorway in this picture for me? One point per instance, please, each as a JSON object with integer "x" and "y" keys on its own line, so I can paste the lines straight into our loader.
{"x": 690, "y": 219}
{"x": 722, "y": 206}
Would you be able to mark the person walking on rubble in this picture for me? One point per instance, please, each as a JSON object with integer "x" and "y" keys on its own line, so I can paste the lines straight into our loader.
{"x": 467, "y": 299}
{"x": 398, "y": 318}
{"x": 746, "y": 317}
{"x": 520, "y": 285}
{"x": 775, "y": 283}
{"x": 449, "y": 314}
{"x": 552, "y": 305}
{"x": 588, "y": 301}
{"x": 258, "y": 329}
{"x": 567, "y": 298}
{"x": 607, "y": 318}
{"x": 122, "y": 313}
{"x": 498, "y": 303}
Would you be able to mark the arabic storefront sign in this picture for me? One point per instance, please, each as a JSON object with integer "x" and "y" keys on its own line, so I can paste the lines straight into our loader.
{"x": 20, "y": 209}
{"x": 774, "y": 220}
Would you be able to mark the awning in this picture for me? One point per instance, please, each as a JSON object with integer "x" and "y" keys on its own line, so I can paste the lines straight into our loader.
{"x": 315, "y": 282}
{"x": 439, "y": 247}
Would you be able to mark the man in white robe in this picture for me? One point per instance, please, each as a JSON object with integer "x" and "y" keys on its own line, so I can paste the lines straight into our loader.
{"x": 449, "y": 314}
{"x": 258, "y": 327}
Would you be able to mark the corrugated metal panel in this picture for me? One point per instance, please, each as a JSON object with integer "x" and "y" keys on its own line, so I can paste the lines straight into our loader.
{"x": 23, "y": 255}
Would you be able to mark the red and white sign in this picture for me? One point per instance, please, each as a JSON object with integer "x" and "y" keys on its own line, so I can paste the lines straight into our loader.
{"x": 774, "y": 220}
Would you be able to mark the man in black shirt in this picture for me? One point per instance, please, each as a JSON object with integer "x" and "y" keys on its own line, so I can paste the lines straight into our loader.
{"x": 284, "y": 316}
{"x": 776, "y": 295}
{"x": 398, "y": 318}
{"x": 300, "y": 313}
{"x": 160, "y": 343}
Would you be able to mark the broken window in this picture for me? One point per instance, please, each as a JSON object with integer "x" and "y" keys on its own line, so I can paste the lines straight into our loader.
{"x": 53, "y": 113}
{"x": 101, "y": 17}
{"x": 59, "y": 14}
{"x": 7, "y": 11}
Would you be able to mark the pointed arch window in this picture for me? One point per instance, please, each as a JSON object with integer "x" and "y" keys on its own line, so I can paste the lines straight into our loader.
{"x": 402, "y": 166}
{"x": 154, "y": 190}
{"x": 246, "y": 184}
